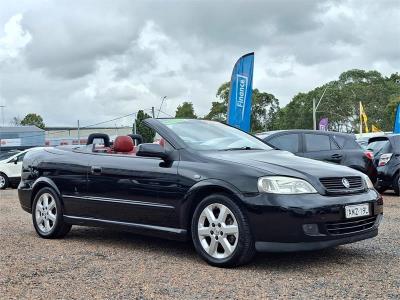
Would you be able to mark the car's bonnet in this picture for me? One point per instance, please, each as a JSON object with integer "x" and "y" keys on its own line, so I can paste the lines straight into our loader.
{"x": 284, "y": 163}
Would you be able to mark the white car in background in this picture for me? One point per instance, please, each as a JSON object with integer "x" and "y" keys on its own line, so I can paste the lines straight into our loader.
{"x": 11, "y": 166}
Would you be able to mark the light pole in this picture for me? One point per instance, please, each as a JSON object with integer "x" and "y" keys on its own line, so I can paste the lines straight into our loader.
{"x": 79, "y": 133}
{"x": 2, "y": 113}
{"x": 162, "y": 102}
{"x": 315, "y": 107}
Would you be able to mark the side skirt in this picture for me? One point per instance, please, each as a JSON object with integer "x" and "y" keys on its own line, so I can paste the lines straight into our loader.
{"x": 158, "y": 231}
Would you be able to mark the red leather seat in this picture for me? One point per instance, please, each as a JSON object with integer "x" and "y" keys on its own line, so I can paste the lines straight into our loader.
{"x": 123, "y": 144}
{"x": 162, "y": 142}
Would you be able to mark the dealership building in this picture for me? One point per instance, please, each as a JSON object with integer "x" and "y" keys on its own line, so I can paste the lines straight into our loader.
{"x": 21, "y": 137}
{"x": 56, "y": 136}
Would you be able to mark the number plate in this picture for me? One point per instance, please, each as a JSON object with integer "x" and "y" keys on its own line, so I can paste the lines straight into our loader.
{"x": 354, "y": 211}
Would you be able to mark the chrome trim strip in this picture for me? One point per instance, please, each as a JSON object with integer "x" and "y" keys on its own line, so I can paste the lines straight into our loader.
{"x": 123, "y": 201}
{"x": 135, "y": 225}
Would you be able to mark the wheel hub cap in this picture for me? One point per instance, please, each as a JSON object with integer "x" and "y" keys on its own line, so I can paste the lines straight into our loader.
{"x": 218, "y": 231}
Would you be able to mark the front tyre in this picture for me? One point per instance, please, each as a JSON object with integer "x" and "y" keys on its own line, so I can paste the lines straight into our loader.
{"x": 220, "y": 232}
{"x": 47, "y": 215}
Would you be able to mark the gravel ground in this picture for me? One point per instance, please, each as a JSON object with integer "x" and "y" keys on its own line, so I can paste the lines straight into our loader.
{"x": 98, "y": 263}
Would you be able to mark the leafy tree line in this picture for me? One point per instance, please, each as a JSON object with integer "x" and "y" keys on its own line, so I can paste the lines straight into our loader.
{"x": 264, "y": 108}
{"x": 340, "y": 104}
{"x": 263, "y": 113}
{"x": 379, "y": 96}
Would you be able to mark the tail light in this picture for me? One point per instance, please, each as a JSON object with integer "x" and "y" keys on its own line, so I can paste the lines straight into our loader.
{"x": 369, "y": 154}
{"x": 383, "y": 160}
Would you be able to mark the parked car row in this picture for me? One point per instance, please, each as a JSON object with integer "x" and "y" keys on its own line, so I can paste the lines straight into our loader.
{"x": 10, "y": 167}
{"x": 332, "y": 147}
{"x": 386, "y": 151}
{"x": 377, "y": 156}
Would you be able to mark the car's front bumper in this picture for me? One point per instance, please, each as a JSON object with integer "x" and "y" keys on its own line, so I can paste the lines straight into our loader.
{"x": 310, "y": 246}
{"x": 310, "y": 222}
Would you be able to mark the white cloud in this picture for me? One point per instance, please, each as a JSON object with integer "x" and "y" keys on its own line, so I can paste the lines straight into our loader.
{"x": 93, "y": 61}
{"x": 14, "y": 38}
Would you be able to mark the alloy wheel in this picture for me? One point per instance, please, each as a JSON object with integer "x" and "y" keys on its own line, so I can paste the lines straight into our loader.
{"x": 218, "y": 231}
{"x": 2, "y": 181}
{"x": 46, "y": 213}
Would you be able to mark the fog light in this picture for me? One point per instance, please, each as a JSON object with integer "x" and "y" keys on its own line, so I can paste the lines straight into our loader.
{"x": 311, "y": 229}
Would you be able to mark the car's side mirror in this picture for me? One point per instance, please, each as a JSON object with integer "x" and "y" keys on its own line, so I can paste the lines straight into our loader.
{"x": 152, "y": 150}
{"x": 14, "y": 160}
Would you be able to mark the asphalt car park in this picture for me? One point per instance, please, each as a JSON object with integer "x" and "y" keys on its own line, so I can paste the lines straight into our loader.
{"x": 100, "y": 263}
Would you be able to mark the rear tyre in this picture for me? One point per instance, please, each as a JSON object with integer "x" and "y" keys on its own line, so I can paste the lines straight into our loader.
{"x": 4, "y": 182}
{"x": 47, "y": 215}
{"x": 221, "y": 233}
{"x": 396, "y": 185}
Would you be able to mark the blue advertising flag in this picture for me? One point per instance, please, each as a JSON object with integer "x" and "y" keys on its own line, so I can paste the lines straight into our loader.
{"x": 239, "y": 106}
{"x": 396, "y": 128}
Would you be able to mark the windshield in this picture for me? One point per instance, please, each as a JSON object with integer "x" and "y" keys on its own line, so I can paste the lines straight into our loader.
{"x": 7, "y": 154}
{"x": 210, "y": 135}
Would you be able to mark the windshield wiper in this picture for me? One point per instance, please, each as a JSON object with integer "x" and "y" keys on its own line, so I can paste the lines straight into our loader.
{"x": 240, "y": 148}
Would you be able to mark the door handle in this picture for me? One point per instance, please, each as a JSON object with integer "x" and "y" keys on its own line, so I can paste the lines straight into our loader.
{"x": 336, "y": 156}
{"x": 96, "y": 170}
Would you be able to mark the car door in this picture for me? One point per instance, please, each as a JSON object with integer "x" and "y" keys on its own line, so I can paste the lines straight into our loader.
{"x": 321, "y": 146}
{"x": 287, "y": 141}
{"x": 131, "y": 189}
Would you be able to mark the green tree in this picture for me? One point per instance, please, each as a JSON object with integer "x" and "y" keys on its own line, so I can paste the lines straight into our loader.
{"x": 264, "y": 108}
{"x": 185, "y": 110}
{"x": 391, "y": 107}
{"x": 263, "y": 111}
{"x": 147, "y": 133}
{"x": 219, "y": 109}
{"x": 33, "y": 119}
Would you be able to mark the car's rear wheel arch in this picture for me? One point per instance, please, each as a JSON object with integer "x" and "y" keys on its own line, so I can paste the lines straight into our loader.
{"x": 42, "y": 184}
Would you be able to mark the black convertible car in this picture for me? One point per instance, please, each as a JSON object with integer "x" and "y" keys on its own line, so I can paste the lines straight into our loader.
{"x": 226, "y": 190}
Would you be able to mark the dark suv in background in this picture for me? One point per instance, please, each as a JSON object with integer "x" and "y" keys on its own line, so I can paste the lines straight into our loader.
{"x": 386, "y": 150}
{"x": 329, "y": 146}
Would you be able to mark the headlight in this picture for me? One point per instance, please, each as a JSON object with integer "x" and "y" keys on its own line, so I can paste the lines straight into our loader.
{"x": 284, "y": 185}
{"x": 368, "y": 182}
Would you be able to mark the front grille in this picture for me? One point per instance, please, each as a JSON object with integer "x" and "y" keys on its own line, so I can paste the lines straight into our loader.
{"x": 350, "y": 226}
{"x": 334, "y": 185}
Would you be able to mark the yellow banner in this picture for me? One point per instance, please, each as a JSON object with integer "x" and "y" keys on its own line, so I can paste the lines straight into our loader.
{"x": 375, "y": 129}
{"x": 363, "y": 118}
